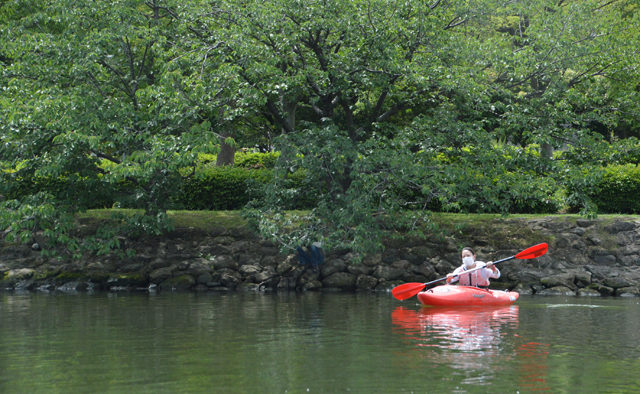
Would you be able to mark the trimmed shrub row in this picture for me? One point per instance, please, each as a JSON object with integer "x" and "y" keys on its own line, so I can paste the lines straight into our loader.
{"x": 213, "y": 188}
{"x": 91, "y": 195}
{"x": 225, "y": 188}
{"x": 256, "y": 160}
{"x": 249, "y": 160}
{"x": 221, "y": 188}
{"x": 619, "y": 189}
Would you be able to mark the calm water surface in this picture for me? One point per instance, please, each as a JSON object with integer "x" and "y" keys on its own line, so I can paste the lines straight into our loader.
{"x": 313, "y": 342}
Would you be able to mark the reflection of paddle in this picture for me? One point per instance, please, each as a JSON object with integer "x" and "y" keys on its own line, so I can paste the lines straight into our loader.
{"x": 408, "y": 290}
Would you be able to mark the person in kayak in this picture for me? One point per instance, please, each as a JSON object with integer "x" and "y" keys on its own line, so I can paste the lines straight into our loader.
{"x": 478, "y": 278}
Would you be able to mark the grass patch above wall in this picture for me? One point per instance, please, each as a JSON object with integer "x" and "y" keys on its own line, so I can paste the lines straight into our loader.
{"x": 451, "y": 223}
{"x": 207, "y": 219}
{"x": 197, "y": 219}
{"x": 476, "y": 219}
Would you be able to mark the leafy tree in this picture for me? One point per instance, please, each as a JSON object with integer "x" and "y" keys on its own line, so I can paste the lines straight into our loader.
{"x": 409, "y": 98}
{"x": 86, "y": 98}
{"x": 389, "y": 108}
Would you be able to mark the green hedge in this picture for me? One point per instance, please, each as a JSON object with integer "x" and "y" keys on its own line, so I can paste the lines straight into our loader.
{"x": 91, "y": 195}
{"x": 531, "y": 205}
{"x": 256, "y": 160}
{"x": 225, "y": 188}
{"x": 619, "y": 190}
{"x": 221, "y": 188}
{"x": 216, "y": 188}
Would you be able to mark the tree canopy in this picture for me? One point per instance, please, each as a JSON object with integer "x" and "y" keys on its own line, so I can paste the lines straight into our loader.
{"x": 390, "y": 108}
{"x": 88, "y": 96}
{"x": 414, "y": 104}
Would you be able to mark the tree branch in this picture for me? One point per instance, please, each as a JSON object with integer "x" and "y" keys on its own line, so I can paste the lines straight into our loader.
{"x": 125, "y": 85}
{"x": 106, "y": 156}
{"x": 130, "y": 55}
{"x": 451, "y": 24}
{"x": 146, "y": 48}
{"x": 95, "y": 84}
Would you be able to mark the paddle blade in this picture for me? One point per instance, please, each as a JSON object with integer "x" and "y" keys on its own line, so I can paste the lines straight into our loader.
{"x": 533, "y": 252}
{"x": 407, "y": 290}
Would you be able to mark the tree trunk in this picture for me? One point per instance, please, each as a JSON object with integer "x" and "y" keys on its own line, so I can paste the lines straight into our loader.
{"x": 290, "y": 107}
{"x": 227, "y": 152}
{"x": 546, "y": 151}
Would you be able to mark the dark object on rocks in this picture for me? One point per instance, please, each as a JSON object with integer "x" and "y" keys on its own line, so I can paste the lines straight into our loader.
{"x": 25, "y": 285}
{"x": 566, "y": 280}
{"x": 73, "y": 286}
{"x": 315, "y": 259}
{"x": 619, "y": 226}
{"x": 585, "y": 223}
{"x": 388, "y": 273}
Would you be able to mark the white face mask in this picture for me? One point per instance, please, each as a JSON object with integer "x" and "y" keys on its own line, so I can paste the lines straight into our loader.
{"x": 468, "y": 261}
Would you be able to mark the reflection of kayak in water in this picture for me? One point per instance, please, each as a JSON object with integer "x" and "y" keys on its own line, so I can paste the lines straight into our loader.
{"x": 475, "y": 341}
{"x": 449, "y": 295}
{"x": 491, "y": 317}
{"x": 461, "y": 328}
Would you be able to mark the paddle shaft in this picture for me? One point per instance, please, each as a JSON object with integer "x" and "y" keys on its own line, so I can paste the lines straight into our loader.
{"x": 470, "y": 271}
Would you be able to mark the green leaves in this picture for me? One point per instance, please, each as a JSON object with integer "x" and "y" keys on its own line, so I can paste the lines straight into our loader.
{"x": 383, "y": 110}
{"x": 87, "y": 101}
{"x": 407, "y": 102}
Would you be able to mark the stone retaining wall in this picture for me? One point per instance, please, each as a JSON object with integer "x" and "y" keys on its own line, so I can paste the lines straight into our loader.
{"x": 588, "y": 258}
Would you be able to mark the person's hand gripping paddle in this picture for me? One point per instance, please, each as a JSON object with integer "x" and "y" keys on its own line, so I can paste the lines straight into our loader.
{"x": 408, "y": 290}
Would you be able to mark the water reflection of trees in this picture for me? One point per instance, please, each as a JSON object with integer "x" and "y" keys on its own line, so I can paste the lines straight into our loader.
{"x": 110, "y": 342}
{"x": 291, "y": 341}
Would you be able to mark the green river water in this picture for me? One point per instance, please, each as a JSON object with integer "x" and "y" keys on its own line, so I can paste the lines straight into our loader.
{"x": 313, "y": 343}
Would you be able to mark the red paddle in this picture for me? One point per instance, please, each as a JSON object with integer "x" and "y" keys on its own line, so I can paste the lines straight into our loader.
{"x": 408, "y": 290}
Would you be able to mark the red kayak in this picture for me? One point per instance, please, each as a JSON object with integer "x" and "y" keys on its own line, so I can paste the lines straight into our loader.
{"x": 449, "y": 295}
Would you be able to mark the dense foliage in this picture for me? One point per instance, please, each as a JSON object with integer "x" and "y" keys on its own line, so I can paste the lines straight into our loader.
{"x": 441, "y": 99}
{"x": 231, "y": 188}
{"x": 384, "y": 109}
{"x": 618, "y": 190}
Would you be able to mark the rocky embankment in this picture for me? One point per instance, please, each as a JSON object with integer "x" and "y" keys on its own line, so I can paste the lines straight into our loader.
{"x": 585, "y": 258}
